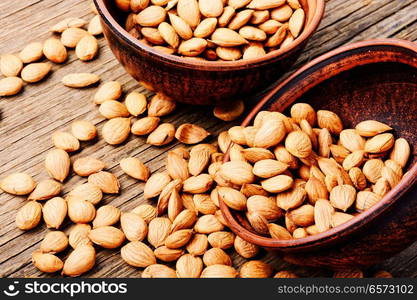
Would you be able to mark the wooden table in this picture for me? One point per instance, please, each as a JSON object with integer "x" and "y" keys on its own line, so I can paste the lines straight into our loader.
{"x": 28, "y": 119}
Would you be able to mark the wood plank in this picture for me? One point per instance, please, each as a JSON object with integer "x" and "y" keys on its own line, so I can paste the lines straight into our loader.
{"x": 28, "y": 119}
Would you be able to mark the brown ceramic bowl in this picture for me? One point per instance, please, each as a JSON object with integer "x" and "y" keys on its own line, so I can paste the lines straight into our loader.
{"x": 201, "y": 82}
{"x": 374, "y": 79}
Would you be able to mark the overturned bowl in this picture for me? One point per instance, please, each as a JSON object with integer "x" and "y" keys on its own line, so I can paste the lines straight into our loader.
{"x": 201, "y": 82}
{"x": 375, "y": 79}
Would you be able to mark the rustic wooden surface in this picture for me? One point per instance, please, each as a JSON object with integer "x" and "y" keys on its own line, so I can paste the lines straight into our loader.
{"x": 28, "y": 119}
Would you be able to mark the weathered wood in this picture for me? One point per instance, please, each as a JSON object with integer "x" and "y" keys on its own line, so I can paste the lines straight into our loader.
{"x": 28, "y": 119}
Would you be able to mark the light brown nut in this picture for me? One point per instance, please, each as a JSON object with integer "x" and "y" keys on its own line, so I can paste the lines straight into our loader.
{"x": 254, "y": 50}
{"x": 371, "y": 128}
{"x": 83, "y": 130}
{"x": 178, "y": 238}
{"x": 29, "y": 215}
{"x": 111, "y": 90}
{"x": 108, "y": 237}
{"x": 158, "y": 271}
{"x": 255, "y": 269}
{"x": 291, "y": 199}
{"x": 366, "y": 200}
{"x": 54, "y": 242}
{"x": 277, "y": 183}
{"x": 181, "y": 27}
{"x": 168, "y": 255}
{"x": 80, "y": 261}
{"x": 135, "y": 168}
{"x": 225, "y": 37}
{"x": 379, "y": 143}
{"x": 46, "y": 262}
{"x": 85, "y": 166}
{"x": 204, "y": 204}
{"x": 358, "y": 178}
{"x": 10, "y": 65}
{"x": 106, "y": 181}
{"x": 57, "y": 164}
{"x": 86, "y": 191}
{"x": 372, "y": 169}
{"x": 296, "y": 22}
{"x": 400, "y": 152}
{"x": 219, "y": 271}
{"x": 80, "y": 80}
{"x": 330, "y": 120}
{"x": 190, "y": 134}
{"x": 282, "y": 13}
{"x": 45, "y": 190}
{"x": 240, "y": 19}
{"x": 18, "y": 184}
{"x": 35, "y": 72}
{"x": 227, "y": 15}
{"x": 87, "y": 48}
{"x": 188, "y": 266}
{"x": 205, "y": 28}
{"x": 216, "y": 256}
{"x": 265, "y": 206}
{"x": 67, "y": 23}
{"x": 65, "y": 141}
{"x": 237, "y": 172}
{"x": 106, "y": 215}
{"x": 116, "y": 131}
{"x": 162, "y": 135}
{"x": 158, "y": 231}
{"x": 270, "y": 133}
{"x": 298, "y": 144}
{"x": 198, "y": 184}
{"x": 71, "y": 36}
{"x": 351, "y": 140}
{"x": 302, "y": 216}
{"x": 78, "y": 235}
{"x": 55, "y": 51}
{"x": 189, "y": 11}
{"x": 54, "y": 212}
{"x": 133, "y": 226}
{"x": 208, "y": 224}
{"x": 221, "y": 239}
{"x": 138, "y": 254}
{"x": 197, "y": 245}
{"x": 81, "y": 211}
{"x": 31, "y": 52}
{"x": 279, "y": 232}
{"x": 156, "y": 184}
{"x": 342, "y": 196}
{"x": 323, "y": 212}
{"x": 145, "y": 125}
{"x": 10, "y": 86}
{"x": 146, "y": 211}
{"x": 94, "y": 27}
{"x": 136, "y": 103}
{"x": 232, "y": 198}
{"x": 244, "y": 248}
{"x": 228, "y": 53}
{"x": 151, "y": 16}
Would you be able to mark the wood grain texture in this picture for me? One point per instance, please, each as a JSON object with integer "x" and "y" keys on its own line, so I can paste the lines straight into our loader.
{"x": 28, "y": 119}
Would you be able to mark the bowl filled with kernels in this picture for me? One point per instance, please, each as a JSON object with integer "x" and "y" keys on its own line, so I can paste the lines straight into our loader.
{"x": 208, "y": 51}
{"x": 325, "y": 164}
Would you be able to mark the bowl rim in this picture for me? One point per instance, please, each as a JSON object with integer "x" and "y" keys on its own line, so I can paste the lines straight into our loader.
{"x": 409, "y": 180}
{"x": 206, "y": 65}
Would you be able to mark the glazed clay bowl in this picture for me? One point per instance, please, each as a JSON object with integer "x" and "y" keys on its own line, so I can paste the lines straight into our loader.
{"x": 201, "y": 82}
{"x": 374, "y": 79}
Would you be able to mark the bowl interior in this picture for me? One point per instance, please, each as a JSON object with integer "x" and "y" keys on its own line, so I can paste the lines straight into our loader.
{"x": 357, "y": 89}
{"x": 115, "y": 19}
